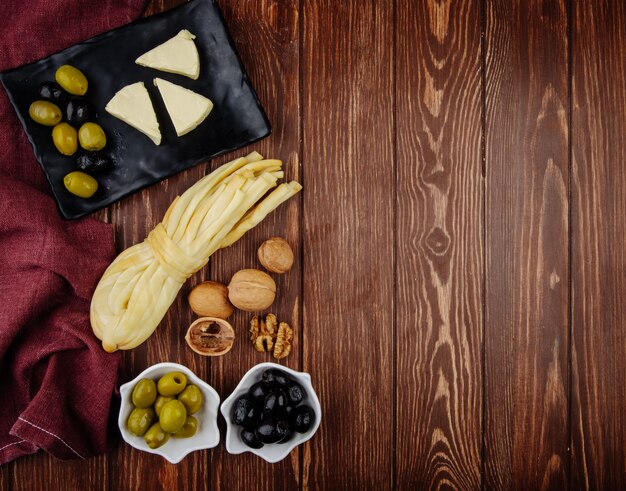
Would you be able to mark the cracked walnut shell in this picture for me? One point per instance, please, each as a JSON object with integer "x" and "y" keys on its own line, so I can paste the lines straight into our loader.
{"x": 210, "y": 336}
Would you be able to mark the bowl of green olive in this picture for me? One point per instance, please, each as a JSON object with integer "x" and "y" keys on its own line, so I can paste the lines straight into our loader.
{"x": 167, "y": 410}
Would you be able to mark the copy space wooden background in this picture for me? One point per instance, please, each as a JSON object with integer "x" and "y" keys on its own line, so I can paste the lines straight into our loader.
{"x": 459, "y": 292}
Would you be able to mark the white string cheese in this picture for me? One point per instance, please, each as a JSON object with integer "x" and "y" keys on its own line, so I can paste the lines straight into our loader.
{"x": 139, "y": 286}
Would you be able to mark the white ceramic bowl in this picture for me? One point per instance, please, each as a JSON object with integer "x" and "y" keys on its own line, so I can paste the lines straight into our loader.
{"x": 272, "y": 452}
{"x": 207, "y": 436}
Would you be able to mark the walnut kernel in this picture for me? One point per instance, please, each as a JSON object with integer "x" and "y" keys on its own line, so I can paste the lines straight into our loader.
{"x": 265, "y": 336}
{"x": 263, "y": 332}
{"x": 282, "y": 347}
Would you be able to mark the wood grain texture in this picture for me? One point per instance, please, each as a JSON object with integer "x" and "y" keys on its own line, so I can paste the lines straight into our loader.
{"x": 268, "y": 46}
{"x": 41, "y": 471}
{"x": 431, "y": 294}
{"x": 598, "y": 254}
{"x": 439, "y": 245}
{"x": 526, "y": 299}
{"x": 347, "y": 111}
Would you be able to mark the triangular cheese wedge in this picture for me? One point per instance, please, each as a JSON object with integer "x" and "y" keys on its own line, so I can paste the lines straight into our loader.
{"x": 132, "y": 105}
{"x": 186, "y": 108}
{"x": 177, "y": 55}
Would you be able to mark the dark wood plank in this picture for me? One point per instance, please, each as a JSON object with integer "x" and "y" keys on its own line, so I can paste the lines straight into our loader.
{"x": 438, "y": 245}
{"x": 387, "y": 290}
{"x": 266, "y": 35}
{"x": 598, "y": 254}
{"x": 41, "y": 471}
{"x": 133, "y": 219}
{"x": 347, "y": 111}
{"x": 526, "y": 299}
{"x": 5, "y": 477}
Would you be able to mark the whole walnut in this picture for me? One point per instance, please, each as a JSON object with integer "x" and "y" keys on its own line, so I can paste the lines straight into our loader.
{"x": 251, "y": 290}
{"x": 276, "y": 255}
{"x": 210, "y": 299}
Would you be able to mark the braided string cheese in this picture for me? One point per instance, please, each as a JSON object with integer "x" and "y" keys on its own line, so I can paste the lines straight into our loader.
{"x": 139, "y": 286}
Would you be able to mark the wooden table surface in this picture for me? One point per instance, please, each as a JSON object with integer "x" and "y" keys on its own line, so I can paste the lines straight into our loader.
{"x": 459, "y": 291}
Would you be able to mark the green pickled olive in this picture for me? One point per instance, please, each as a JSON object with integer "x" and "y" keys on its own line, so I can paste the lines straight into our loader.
{"x": 189, "y": 428}
{"x": 172, "y": 384}
{"x": 144, "y": 393}
{"x": 160, "y": 402}
{"x": 71, "y": 79}
{"x": 191, "y": 397}
{"x": 155, "y": 436}
{"x": 45, "y": 112}
{"x": 65, "y": 139}
{"x": 140, "y": 420}
{"x": 173, "y": 416}
{"x": 80, "y": 184}
{"x": 91, "y": 137}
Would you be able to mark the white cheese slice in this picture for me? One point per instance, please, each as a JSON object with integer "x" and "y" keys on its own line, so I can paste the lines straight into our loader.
{"x": 132, "y": 105}
{"x": 186, "y": 108}
{"x": 177, "y": 55}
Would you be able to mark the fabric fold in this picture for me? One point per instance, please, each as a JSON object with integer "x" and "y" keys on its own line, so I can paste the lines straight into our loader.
{"x": 57, "y": 383}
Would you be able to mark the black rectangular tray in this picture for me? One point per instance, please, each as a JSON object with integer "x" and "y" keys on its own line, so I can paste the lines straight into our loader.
{"x": 108, "y": 62}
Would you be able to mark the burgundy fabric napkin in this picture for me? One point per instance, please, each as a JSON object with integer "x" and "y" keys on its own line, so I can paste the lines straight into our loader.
{"x": 56, "y": 381}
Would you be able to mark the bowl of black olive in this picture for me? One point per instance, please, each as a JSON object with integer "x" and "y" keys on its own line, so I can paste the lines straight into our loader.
{"x": 272, "y": 410}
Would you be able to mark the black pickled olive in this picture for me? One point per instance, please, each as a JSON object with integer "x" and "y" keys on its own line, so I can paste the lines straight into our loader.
{"x": 94, "y": 162}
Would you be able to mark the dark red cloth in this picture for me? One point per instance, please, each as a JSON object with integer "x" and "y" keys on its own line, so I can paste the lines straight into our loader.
{"x": 57, "y": 381}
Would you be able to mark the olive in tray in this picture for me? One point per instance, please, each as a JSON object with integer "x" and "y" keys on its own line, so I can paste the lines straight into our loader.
{"x": 78, "y": 111}
{"x": 63, "y": 107}
{"x": 93, "y": 162}
{"x": 52, "y": 91}
{"x": 272, "y": 410}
